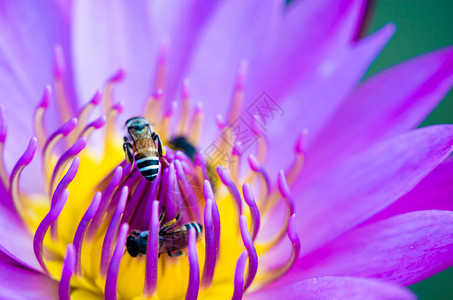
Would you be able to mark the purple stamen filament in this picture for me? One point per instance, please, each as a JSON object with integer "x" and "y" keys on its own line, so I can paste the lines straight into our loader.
{"x": 194, "y": 277}
{"x": 82, "y": 228}
{"x": 44, "y": 226}
{"x": 152, "y": 252}
{"x": 68, "y": 271}
{"x": 111, "y": 232}
{"x": 112, "y": 274}
{"x": 210, "y": 242}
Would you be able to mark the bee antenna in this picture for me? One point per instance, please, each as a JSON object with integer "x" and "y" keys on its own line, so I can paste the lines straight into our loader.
{"x": 162, "y": 214}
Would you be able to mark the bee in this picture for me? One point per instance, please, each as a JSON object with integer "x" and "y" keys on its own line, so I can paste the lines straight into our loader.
{"x": 140, "y": 145}
{"x": 172, "y": 239}
{"x": 181, "y": 143}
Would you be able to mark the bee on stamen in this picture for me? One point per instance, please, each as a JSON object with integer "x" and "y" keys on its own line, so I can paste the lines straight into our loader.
{"x": 143, "y": 145}
{"x": 172, "y": 238}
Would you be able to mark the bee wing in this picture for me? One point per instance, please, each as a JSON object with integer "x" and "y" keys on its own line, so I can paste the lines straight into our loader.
{"x": 173, "y": 240}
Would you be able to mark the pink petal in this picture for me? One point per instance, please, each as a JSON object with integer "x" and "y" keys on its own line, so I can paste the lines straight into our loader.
{"x": 366, "y": 183}
{"x": 386, "y": 105}
{"x": 404, "y": 249}
{"x": 20, "y": 283}
{"x": 335, "y": 288}
{"x": 435, "y": 191}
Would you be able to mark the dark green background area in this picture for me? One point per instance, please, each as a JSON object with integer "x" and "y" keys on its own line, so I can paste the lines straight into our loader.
{"x": 422, "y": 26}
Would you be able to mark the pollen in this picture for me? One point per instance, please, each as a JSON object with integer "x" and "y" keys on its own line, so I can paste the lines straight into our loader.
{"x": 200, "y": 225}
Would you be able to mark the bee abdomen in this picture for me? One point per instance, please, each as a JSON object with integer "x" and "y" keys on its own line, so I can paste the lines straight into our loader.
{"x": 148, "y": 167}
{"x": 198, "y": 228}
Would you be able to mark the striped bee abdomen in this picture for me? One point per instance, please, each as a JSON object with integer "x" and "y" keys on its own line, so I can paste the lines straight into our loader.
{"x": 148, "y": 166}
{"x": 198, "y": 228}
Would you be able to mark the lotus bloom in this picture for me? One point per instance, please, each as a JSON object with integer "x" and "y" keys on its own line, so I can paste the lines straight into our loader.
{"x": 302, "y": 181}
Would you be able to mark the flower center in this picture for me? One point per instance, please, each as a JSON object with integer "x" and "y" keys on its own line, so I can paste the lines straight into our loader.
{"x": 191, "y": 230}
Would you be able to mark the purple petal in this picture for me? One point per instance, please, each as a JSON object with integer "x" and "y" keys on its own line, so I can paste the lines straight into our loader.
{"x": 313, "y": 34}
{"x": 183, "y": 22}
{"x": 335, "y": 288}
{"x": 435, "y": 191}
{"x": 111, "y": 36}
{"x": 224, "y": 44}
{"x": 21, "y": 283}
{"x": 313, "y": 101}
{"x": 384, "y": 106}
{"x": 15, "y": 240}
{"x": 403, "y": 249}
{"x": 365, "y": 184}
{"x": 26, "y": 61}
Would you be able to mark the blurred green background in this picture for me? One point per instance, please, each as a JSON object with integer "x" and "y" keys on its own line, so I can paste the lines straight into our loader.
{"x": 422, "y": 26}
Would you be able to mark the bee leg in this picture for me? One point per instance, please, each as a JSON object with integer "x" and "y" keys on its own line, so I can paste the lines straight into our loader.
{"x": 174, "y": 253}
{"x": 162, "y": 214}
{"x": 127, "y": 147}
{"x": 160, "y": 148}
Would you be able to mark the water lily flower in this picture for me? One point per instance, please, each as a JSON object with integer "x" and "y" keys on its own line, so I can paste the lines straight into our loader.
{"x": 304, "y": 181}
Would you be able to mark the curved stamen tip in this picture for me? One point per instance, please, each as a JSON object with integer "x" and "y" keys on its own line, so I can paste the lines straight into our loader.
{"x": 118, "y": 107}
{"x": 68, "y": 127}
{"x": 118, "y": 76}
{"x": 157, "y": 95}
{"x": 284, "y": 190}
{"x": 254, "y": 163}
{"x": 237, "y": 148}
{"x": 45, "y": 100}
{"x": 300, "y": 144}
{"x": 220, "y": 121}
{"x": 199, "y": 108}
{"x": 207, "y": 190}
{"x": 255, "y": 213}
{"x": 99, "y": 122}
{"x": 29, "y": 153}
{"x": 66, "y": 180}
{"x": 185, "y": 94}
{"x": 3, "y": 123}
{"x": 96, "y": 98}
{"x": 68, "y": 271}
{"x": 283, "y": 184}
{"x": 224, "y": 175}
{"x": 171, "y": 109}
{"x": 78, "y": 146}
{"x": 228, "y": 182}
{"x": 59, "y": 65}
{"x": 292, "y": 234}
{"x": 242, "y": 73}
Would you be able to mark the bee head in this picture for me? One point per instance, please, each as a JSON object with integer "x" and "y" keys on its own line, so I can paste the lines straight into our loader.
{"x": 137, "y": 124}
{"x": 131, "y": 246}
